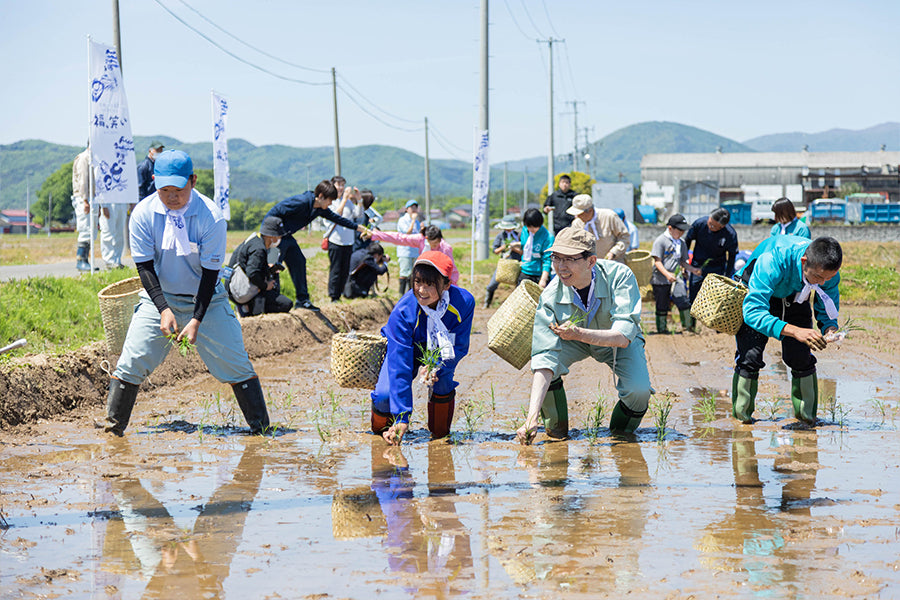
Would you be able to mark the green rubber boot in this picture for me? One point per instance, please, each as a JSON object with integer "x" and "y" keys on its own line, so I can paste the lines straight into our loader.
{"x": 687, "y": 321}
{"x": 623, "y": 419}
{"x": 743, "y": 398}
{"x": 661, "y": 326}
{"x": 805, "y": 397}
{"x": 555, "y": 411}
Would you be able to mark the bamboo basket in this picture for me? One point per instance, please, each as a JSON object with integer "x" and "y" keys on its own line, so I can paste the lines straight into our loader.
{"x": 117, "y": 302}
{"x": 641, "y": 263}
{"x": 508, "y": 271}
{"x": 356, "y": 513}
{"x": 356, "y": 359}
{"x": 719, "y": 304}
{"x": 509, "y": 329}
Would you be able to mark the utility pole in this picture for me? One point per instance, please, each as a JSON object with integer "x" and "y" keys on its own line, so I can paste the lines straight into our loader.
{"x": 116, "y": 36}
{"x": 483, "y": 125}
{"x": 575, "y": 104}
{"x": 590, "y": 148}
{"x": 505, "y": 165}
{"x": 28, "y": 207}
{"x": 525, "y": 193}
{"x": 337, "y": 140}
{"x": 550, "y": 156}
{"x": 307, "y": 177}
{"x": 49, "y": 211}
{"x": 427, "y": 179}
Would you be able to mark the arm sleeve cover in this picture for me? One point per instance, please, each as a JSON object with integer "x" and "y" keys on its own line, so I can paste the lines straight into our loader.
{"x": 150, "y": 281}
{"x": 205, "y": 292}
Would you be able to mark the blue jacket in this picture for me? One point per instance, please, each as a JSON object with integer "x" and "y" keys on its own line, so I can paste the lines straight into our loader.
{"x": 719, "y": 247}
{"x": 406, "y": 327}
{"x": 778, "y": 274}
{"x": 297, "y": 212}
{"x": 540, "y": 251}
{"x": 795, "y": 227}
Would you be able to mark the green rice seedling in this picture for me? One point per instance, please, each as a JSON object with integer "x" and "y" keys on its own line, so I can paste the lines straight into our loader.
{"x": 596, "y": 417}
{"x": 771, "y": 407}
{"x": 473, "y": 411}
{"x": 882, "y": 407}
{"x": 184, "y": 346}
{"x": 661, "y": 407}
{"x": 844, "y": 331}
{"x": 706, "y": 404}
{"x": 836, "y": 411}
{"x": 431, "y": 357}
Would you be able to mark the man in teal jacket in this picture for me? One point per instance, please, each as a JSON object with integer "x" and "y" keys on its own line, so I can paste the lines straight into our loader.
{"x": 781, "y": 274}
{"x": 591, "y": 309}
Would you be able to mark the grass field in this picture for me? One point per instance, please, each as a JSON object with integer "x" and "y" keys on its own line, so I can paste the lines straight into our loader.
{"x": 60, "y": 314}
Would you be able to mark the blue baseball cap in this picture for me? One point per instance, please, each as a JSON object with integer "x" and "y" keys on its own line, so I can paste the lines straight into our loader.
{"x": 172, "y": 167}
{"x": 411, "y": 203}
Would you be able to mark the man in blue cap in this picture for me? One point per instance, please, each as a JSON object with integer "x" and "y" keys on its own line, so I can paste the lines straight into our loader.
{"x": 178, "y": 245}
{"x": 409, "y": 223}
{"x": 634, "y": 237}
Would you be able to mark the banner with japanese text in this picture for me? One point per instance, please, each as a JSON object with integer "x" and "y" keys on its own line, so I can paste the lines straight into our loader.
{"x": 112, "y": 145}
{"x": 221, "y": 175}
{"x": 481, "y": 184}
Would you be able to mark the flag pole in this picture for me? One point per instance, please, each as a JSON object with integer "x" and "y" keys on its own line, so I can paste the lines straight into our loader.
{"x": 90, "y": 174}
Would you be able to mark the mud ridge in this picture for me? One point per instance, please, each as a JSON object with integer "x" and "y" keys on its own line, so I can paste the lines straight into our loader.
{"x": 41, "y": 386}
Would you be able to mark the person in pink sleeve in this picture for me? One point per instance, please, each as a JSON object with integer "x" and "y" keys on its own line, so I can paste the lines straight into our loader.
{"x": 430, "y": 238}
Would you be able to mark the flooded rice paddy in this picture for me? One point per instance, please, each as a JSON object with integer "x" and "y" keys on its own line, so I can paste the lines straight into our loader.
{"x": 187, "y": 506}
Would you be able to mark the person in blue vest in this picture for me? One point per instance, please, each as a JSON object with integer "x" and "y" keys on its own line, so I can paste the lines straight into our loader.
{"x": 296, "y": 213}
{"x": 786, "y": 221}
{"x": 781, "y": 274}
{"x": 433, "y": 316}
{"x": 178, "y": 246}
{"x": 715, "y": 247}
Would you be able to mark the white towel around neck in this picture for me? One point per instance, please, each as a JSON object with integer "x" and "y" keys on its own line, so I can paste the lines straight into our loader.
{"x": 438, "y": 336}
{"x": 175, "y": 234}
{"x": 803, "y": 296}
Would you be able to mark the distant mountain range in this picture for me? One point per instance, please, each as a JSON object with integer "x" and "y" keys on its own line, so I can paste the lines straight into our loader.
{"x": 274, "y": 172}
{"x": 833, "y": 140}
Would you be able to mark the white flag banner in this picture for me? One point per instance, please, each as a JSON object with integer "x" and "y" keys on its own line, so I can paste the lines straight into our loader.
{"x": 112, "y": 145}
{"x": 221, "y": 173}
{"x": 481, "y": 184}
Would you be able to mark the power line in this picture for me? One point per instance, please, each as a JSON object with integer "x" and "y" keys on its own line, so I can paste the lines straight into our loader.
{"x": 263, "y": 52}
{"x": 233, "y": 55}
{"x": 376, "y": 117}
{"x": 528, "y": 14}
{"x": 441, "y": 139}
{"x": 571, "y": 72}
{"x": 360, "y": 94}
{"x": 549, "y": 20}
{"x": 515, "y": 22}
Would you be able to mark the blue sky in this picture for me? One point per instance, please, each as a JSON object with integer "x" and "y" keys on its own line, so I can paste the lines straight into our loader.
{"x": 737, "y": 69}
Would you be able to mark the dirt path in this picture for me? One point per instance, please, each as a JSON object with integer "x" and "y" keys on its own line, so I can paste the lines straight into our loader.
{"x": 187, "y": 502}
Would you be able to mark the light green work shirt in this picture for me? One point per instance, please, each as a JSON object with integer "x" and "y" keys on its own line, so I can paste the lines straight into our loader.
{"x": 620, "y": 310}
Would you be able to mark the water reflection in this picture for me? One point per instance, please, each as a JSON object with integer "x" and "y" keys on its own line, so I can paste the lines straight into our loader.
{"x": 424, "y": 537}
{"x": 752, "y": 538}
{"x": 142, "y": 537}
{"x": 588, "y": 540}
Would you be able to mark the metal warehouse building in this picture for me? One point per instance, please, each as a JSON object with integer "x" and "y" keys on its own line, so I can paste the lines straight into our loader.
{"x": 819, "y": 173}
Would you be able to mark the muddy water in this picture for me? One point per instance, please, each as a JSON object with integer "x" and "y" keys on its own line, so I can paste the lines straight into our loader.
{"x": 186, "y": 506}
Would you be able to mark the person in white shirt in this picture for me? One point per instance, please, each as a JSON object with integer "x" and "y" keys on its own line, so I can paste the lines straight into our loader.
{"x": 409, "y": 223}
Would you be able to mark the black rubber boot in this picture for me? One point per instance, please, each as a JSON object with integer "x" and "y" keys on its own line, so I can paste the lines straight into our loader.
{"x": 119, "y": 404}
{"x": 743, "y": 397}
{"x": 488, "y": 298}
{"x": 82, "y": 263}
{"x": 624, "y": 420}
{"x": 250, "y": 398}
{"x": 805, "y": 397}
{"x": 440, "y": 414}
{"x": 555, "y": 410}
{"x": 404, "y": 283}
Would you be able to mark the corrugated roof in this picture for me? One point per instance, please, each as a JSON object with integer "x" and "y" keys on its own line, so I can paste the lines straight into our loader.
{"x": 813, "y": 160}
